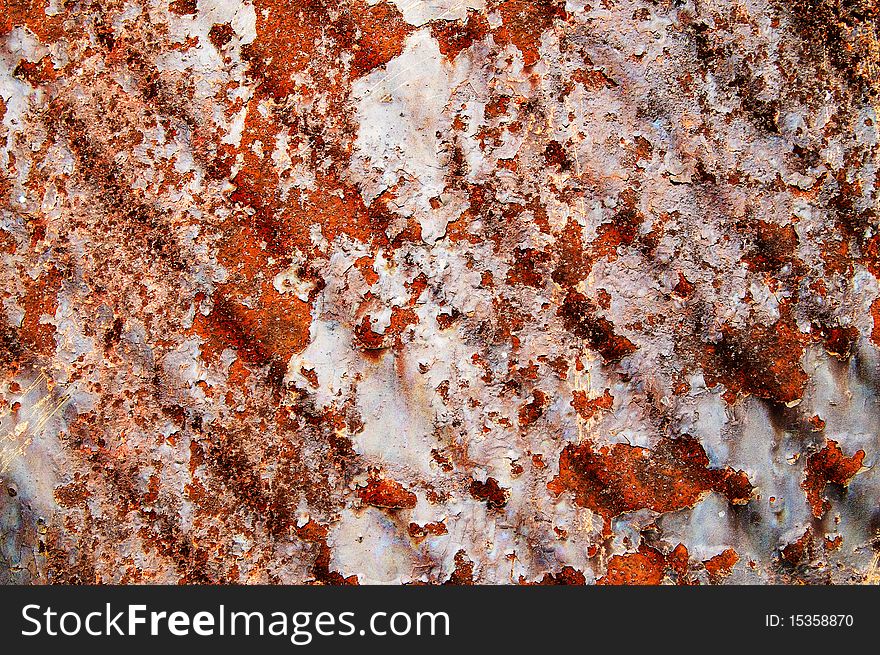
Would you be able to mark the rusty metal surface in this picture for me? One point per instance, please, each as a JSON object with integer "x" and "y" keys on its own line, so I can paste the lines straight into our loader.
{"x": 492, "y": 291}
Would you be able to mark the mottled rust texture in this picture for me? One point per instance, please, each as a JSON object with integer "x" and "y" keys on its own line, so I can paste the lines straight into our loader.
{"x": 492, "y": 291}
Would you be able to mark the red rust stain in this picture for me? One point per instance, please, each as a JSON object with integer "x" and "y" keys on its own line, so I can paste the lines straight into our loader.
{"x": 721, "y": 565}
{"x": 75, "y": 494}
{"x": 594, "y": 80}
{"x": 621, "y": 231}
{"x": 41, "y": 298}
{"x": 828, "y": 466}
{"x": 526, "y": 268}
{"x": 497, "y": 107}
{"x": 533, "y": 410}
{"x": 226, "y": 456}
{"x": 572, "y": 260}
{"x": 442, "y": 461}
{"x": 621, "y": 478}
{"x": 647, "y": 566}
{"x": 587, "y": 408}
{"x": 774, "y": 248}
{"x": 36, "y": 73}
{"x": 311, "y": 376}
{"x": 761, "y": 360}
{"x": 555, "y": 156}
{"x": 644, "y": 149}
{"x": 382, "y": 32}
{"x": 365, "y": 266}
{"x": 833, "y": 542}
{"x": 312, "y": 531}
{"x": 835, "y": 254}
{"x": 386, "y": 493}
{"x": 464, "y": 570}
{"x": 267, "y": 335}
{"x": 839, "y": 341}
{"x": 568, "y": 575}
{"x": 288, "y": 38}
{"x": 369, "y": 339}
{"x": 800, "y": 551}
{"x": 683, "y": 287}
{"x": 31, "y": 13}
{"x": 489, "y": 492}
{"x": 419, "y": 533}
{"x": 523, "y": 23}
{"x": 322, "y": 573}
{"x": 220, "y": 34}
{"x": 875, "y": 315}
{"x": 446, "y": 320}
{"x": 454, "y": 36}
{"x": 579, "y": 317}
{"x": 184, "y": 7}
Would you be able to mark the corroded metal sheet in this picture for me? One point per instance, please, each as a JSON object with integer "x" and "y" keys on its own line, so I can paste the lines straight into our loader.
{"x": 439, "y": 291}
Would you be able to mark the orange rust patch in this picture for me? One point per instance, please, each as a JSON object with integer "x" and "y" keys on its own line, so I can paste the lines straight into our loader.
{"x": 523, "y": 23}
{"x": 573, "y": 263}
{"x": 621, "y": 478}
{"x": 721, "y": 565}
{"x": 365, "y": 266}
{"x": 419, "y": 533}
{"x": 312, "y": 531}
{"x": 455, "y": 36}
{"x": 386, "y": 493}
{"x": 267, "y": 335}
{"x": 74, "y": 494}
{"x": 533, "y": 410}
{"x": 369, "y": 339}
{"x": 41, "y": 299}
{"x": 579, "y": 317}
{"x": 568, "y": 575}
{"x": 647, "y": 566}
{"x": 464, "y": 570}
{"x": 828, "y": 466}
{"x": 489, "y": 492}
{"x": 446, "y": 320}
{"x": 36, "y": 73}
{"x": 833, "y": 542}
{"x": 288, "y": 37}
{"x": 817, "y": 423}
{"x": 32, "y": 14}
{"x": 800, "y": 551}
{"x": 587, "y": 408}
{"x": 875, "y": 314}
{"x": 762, "y": 361}
{"x": 382, "y": 32}
{"x": 683, "y": 288}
